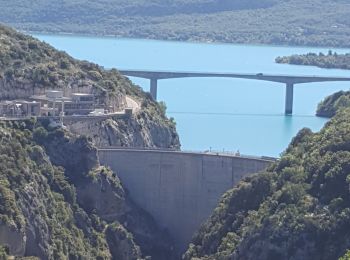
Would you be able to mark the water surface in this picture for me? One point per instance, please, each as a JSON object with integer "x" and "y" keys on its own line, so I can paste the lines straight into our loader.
{"x": 215, "y": 113}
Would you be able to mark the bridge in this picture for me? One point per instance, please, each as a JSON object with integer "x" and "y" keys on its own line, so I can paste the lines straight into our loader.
{"x": 179, "y": 189}
{"x": 288, "y": 80}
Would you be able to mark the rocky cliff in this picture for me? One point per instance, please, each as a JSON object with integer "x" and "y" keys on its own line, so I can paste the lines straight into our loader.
{"x": 28, "y": 66}
{"x": 331, "y": 104}
{"x": 137, "y": 131}
{"x": 57, "y": 202}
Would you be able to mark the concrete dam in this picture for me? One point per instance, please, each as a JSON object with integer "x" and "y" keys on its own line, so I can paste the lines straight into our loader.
{"x": 179, "y": 189}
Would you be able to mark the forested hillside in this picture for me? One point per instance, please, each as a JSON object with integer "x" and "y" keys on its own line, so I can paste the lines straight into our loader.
{"x": 295, "y": 22}
{"x": 28, "y": 66}
{"x": 331, "y": 104}
{"x": 331, "y": 60}
{"x": 297, "y": 209}
{"x": 57, "y": 202}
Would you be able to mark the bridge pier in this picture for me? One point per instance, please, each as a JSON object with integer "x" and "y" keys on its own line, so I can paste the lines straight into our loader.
{"x": 153, "y": 88}
{"x": 289, "y": 80}
{"x": 289, "y": 99}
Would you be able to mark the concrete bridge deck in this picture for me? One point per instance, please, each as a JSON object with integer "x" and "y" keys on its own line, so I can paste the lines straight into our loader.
{"x": 179, "y": 189}
{"x": 288, "y": 80}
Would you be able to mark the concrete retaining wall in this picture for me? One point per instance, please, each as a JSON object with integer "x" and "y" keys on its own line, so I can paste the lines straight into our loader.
{"x": 180, "y": 190}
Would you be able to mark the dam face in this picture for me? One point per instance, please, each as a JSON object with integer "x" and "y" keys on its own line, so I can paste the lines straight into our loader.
{"x": 180, "y": 190}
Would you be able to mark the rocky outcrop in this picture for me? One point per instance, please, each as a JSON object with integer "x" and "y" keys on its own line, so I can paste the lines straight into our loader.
{"x": 99, "y": 190}
{"x": 121, "y": 243}
{"x": 38, "y": 233}
{"x": 12, "y": 238}
{"x": 53, "y": 192}
{"x": 15, "y": 90}
{"x": 137, "y": 131}
{"x": 28, "y": 67}
{"x": 103, "y": 195}
{"x": 331, "y": 104}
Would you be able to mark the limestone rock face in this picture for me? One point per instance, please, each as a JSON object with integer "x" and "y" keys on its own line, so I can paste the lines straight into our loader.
{"x": 14, "y": 239}
{"x": 15, "y": 89}
{"x": 56, "y": 201}
{"x": 28, "y": 67}
{"x": 75, "y": 154}
{"x": 100, "y": 192}
{"x": 38, "y": 233}
{"x": 132, "y": 132}
{"x": 104, "y": 195}
{"x": 121, "y": 243}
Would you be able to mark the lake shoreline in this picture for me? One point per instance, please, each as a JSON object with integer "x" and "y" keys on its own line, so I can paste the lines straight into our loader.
{"x": 224, "y": 114}
{"x": 107, "y": 36}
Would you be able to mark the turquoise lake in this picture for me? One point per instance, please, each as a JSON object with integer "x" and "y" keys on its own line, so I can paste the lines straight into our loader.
{"x": 215, "y": 113}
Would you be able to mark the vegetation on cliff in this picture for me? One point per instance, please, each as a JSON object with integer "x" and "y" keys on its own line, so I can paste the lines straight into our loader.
{"x": 298, "y": 209}
{"x": 293, "y": 22}
{"x": 331, "y": 104}
{"x": 57, "y": 202}
{"x": 331, "y": 60}
{"x": 28, "y": 66}
{"x": 38, "y": 205}
{"x": 346, "y": 256}
{"x": 31, "y": 64}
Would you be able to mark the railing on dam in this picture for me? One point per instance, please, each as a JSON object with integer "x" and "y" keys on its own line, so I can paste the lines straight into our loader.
{"x": 180, "y": 189}
{"x": 206, "y": 152}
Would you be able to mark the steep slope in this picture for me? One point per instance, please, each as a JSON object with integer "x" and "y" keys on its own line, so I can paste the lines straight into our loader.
{"x": 294, "y": 22}
{"x": 331, "y": 104}
{"x": 57, "y": 202}
{"x": 28, "y": 66}
{"x": 38, "y": 206}
{"x": 297, "y": 209}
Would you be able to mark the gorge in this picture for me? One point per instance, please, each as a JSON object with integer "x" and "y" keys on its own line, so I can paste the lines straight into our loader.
{"x": 98, "y": 210}
{"x": 58, "y": 201}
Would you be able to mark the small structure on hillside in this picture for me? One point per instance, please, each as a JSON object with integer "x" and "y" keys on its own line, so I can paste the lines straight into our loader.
{"x": 55, "y": 104}
{"x": 19, "y": 108}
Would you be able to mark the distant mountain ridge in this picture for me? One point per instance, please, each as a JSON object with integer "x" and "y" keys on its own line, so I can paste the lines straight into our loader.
{"x": 293, "y": 22}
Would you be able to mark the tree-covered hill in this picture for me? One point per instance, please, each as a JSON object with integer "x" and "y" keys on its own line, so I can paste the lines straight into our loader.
{"x": 331, "y": 60}
{"x": 331, "y": 104}
{"x": 297, "y": 209}
{"x": 295, "y": 22}
{"x": 57, "y": 202}
{"x": 29, "y": 66}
